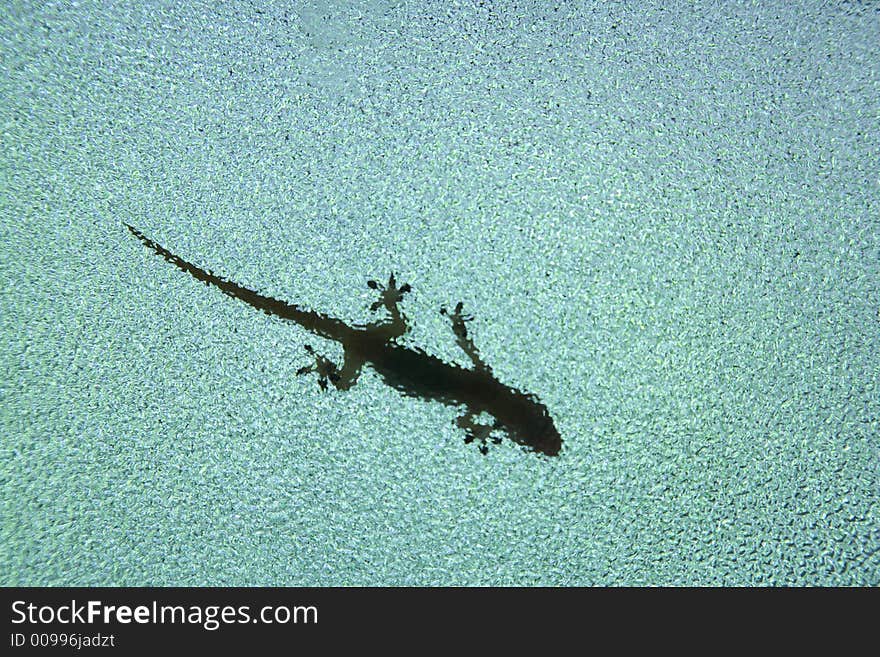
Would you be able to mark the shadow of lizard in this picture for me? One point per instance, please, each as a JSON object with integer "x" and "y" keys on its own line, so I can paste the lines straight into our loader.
{"x": 411, "y": 371}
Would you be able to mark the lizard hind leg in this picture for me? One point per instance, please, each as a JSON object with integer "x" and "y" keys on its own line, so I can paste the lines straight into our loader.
{"x": 390, "y": 294}
{"x": 328, "y": 371}
{"x": 323, "y": 367}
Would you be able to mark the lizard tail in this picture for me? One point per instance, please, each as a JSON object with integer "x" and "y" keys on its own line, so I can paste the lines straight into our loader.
{"x": 326, "y": 327}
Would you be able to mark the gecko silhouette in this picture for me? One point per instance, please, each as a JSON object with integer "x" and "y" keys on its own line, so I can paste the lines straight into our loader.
{"x": 412, "y": 372}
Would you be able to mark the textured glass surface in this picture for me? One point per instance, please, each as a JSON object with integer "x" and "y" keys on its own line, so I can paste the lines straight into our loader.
{"x": 662, "y": 216}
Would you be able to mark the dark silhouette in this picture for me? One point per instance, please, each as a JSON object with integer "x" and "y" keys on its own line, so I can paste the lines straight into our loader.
{"x": 413, "y": 372}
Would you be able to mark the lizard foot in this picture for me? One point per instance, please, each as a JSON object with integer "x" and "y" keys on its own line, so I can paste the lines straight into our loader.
{"x": 324, "y": 368}
{"x": 391, "y": 295}
{"x": 481, "y": 433}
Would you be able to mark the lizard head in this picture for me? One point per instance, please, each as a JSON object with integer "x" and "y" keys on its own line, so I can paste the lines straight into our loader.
{"x": 528, "y": 422}
{"x": 544, "y": 437}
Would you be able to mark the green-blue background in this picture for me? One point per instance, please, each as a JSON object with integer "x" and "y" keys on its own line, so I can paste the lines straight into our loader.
{"x": 663, "y": 215}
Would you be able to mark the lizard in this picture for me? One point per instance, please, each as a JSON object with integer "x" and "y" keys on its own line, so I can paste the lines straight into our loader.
{"x": 411, "y": 371}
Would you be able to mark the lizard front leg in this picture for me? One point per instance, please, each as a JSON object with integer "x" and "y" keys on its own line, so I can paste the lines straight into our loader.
{"x": 477, "y": 431}
{"x": 463, "y": 339}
